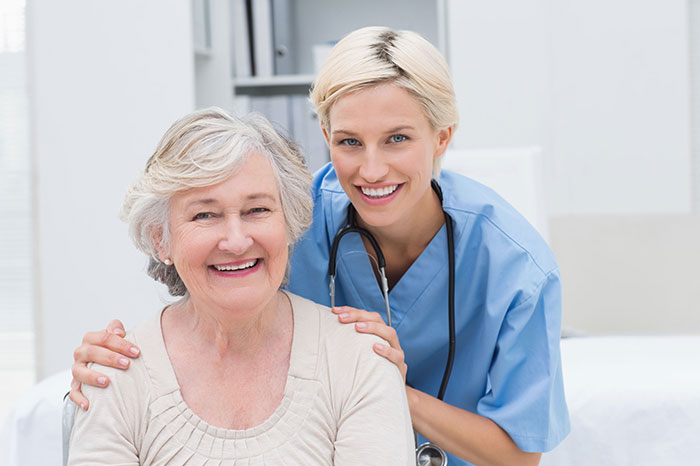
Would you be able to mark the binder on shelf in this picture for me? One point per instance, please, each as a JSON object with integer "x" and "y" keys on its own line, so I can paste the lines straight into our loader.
{"x": 275, "y": 108}
{"x": 263, "y": 45}
{"x": 201, "y": 25}
{"x": 307, "y": 132}
{"x": 241, "y": 46}
{"x": 282, "y": 11}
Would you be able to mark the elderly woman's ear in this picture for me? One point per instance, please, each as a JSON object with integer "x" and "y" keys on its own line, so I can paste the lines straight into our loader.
{"x": 162, "y": 251}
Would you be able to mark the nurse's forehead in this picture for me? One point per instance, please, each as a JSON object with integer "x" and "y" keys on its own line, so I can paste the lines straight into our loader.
{"x": 387, "y": 114}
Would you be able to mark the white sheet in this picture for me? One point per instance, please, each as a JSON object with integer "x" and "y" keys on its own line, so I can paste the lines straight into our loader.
{"x": 633, "y": 400}
{"x": 31, "y": 435}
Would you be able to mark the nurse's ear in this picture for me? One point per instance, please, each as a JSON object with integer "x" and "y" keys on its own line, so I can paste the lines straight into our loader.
{"x": 326, "y": 136}
{"x": 443, "y": 136}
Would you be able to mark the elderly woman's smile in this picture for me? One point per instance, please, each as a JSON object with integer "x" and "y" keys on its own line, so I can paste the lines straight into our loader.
{"x": 241, "y": 266}
{"x": 229, "y": 241}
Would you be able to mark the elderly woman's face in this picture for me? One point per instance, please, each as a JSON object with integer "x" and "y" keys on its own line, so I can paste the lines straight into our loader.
{"x": 228, "y": 241}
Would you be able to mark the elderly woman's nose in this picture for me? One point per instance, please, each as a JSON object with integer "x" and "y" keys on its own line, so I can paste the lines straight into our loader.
{"x": 235, "y": 237}
{"x": 373, "y": 167}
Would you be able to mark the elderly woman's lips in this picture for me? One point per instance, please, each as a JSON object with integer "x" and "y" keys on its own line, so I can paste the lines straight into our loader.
{"x": 234, "y": 267}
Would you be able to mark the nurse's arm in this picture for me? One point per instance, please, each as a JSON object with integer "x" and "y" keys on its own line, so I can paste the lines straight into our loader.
{"x": 474, "y": 438}
{"x": 466, "y": 435}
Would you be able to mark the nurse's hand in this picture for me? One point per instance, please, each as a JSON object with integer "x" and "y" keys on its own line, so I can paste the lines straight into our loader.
{"x": 107, "y": 347}
{"x": 372, "y": 322}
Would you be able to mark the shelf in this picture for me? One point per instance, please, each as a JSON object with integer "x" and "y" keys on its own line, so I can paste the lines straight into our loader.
{"x": 280, "y": 84}
{"x": 279, "y": 80}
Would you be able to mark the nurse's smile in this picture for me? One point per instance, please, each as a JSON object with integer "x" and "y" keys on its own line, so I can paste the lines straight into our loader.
{"x": 379, "y": 195}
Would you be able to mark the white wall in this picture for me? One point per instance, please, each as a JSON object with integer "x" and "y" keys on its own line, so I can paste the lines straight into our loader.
{"x": 629, "y": 274}
{"x": 601, "y": 85}
{"x": 106, "y": 80}
{"x": 604, "y": 87}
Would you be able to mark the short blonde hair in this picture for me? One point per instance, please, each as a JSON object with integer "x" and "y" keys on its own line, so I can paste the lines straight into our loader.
{"x": 203, "y": 149}
{"x": 376, "y": 55}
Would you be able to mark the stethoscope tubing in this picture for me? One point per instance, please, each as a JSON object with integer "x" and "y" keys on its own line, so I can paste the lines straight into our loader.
{"x": 429, "y": 449}
{"x": 450, "y": 303}
{"x": 352, "y": 227}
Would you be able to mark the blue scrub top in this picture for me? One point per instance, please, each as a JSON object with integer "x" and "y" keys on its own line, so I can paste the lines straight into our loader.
{"x": 507, "y": 364}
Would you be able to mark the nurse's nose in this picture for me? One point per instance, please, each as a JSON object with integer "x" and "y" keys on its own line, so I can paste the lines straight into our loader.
{"x": 373, "y": 168}
{"x": 235, "y": 237}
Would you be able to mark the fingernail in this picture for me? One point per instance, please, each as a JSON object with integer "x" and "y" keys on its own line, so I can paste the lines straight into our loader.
{"x": 124, "y": 362}
{"x": 102, "y": 380}
{"x": 118, "y": 331}
{"x": 134, "y": 350}
{"x": 380, "y": 347}
{"x": 344, "y": 315}
{"x": 83, "y": 406}
{"x": 361, "y": 325}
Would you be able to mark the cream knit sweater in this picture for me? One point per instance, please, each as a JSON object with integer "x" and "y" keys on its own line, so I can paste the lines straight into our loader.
{"x": 343, "y": 405}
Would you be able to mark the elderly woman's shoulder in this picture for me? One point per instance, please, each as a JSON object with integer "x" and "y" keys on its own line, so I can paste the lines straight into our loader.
{"x": 146, "y": 336}
{"x": 331, "y": 333}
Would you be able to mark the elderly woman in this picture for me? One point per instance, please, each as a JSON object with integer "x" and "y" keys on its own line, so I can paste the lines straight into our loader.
{"x": 237, "y": 370}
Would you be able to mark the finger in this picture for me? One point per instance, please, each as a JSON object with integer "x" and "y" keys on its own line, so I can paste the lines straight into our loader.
{"x": 381, "y": 330}
{"x": 92, "y": 353}
{"x": 393, "y": 355}
{"x": 83, "y": 374}
{"x": 347, "y": 314}
{"x": 77, "y": 396}
{"x": 109, "y": 341}
{"x": 116, "y": 327}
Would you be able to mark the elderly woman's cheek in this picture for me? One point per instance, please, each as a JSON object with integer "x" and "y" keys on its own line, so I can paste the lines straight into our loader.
{"x": 277, "y": 248}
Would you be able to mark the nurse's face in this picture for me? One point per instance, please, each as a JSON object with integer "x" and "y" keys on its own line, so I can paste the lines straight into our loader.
{"x": 382, "y": 147}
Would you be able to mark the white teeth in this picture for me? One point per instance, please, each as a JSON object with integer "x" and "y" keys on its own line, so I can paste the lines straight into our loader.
{"x": 381, "y": 192}
{"x": 230, "y": 268}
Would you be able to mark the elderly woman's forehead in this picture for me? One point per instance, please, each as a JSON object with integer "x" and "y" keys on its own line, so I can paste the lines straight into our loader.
{"x": 253, "y": 179}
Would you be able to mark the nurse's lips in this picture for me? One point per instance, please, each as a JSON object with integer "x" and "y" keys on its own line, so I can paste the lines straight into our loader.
{"x": 379, "y": 192}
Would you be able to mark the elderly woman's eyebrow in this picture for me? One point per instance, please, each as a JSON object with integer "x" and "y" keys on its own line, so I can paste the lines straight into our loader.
{"x": 196, "y": 202}
{"x": 249, "y": 197}
{"x": 256, "y": 196}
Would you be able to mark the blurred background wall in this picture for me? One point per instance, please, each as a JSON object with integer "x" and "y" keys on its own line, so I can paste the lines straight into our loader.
{"x": 609, "y": 90}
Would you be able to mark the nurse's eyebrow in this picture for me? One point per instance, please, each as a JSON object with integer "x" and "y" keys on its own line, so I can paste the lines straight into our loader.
{"x": 392, "y": 130}
{"x": 400, "y": 128}
{"x": 343, "y": 131}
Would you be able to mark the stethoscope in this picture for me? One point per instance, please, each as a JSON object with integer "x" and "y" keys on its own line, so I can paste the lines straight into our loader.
{"x": 427, "y": 453}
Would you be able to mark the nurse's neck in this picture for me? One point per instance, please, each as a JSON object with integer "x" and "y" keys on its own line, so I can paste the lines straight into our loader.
{"x": 404, "y": 240}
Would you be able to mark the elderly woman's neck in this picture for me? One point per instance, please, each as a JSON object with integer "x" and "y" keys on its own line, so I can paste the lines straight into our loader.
{"x": 229, "y": 332}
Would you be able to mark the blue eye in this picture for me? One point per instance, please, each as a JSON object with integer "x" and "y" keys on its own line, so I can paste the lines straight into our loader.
{"x": 398, "y": 138}
{"x": 258, "y": 210}
{"x": 350, "y": 142}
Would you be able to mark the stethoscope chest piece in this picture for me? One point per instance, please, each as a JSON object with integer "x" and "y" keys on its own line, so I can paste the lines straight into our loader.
{"x": 429, "y": 454}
